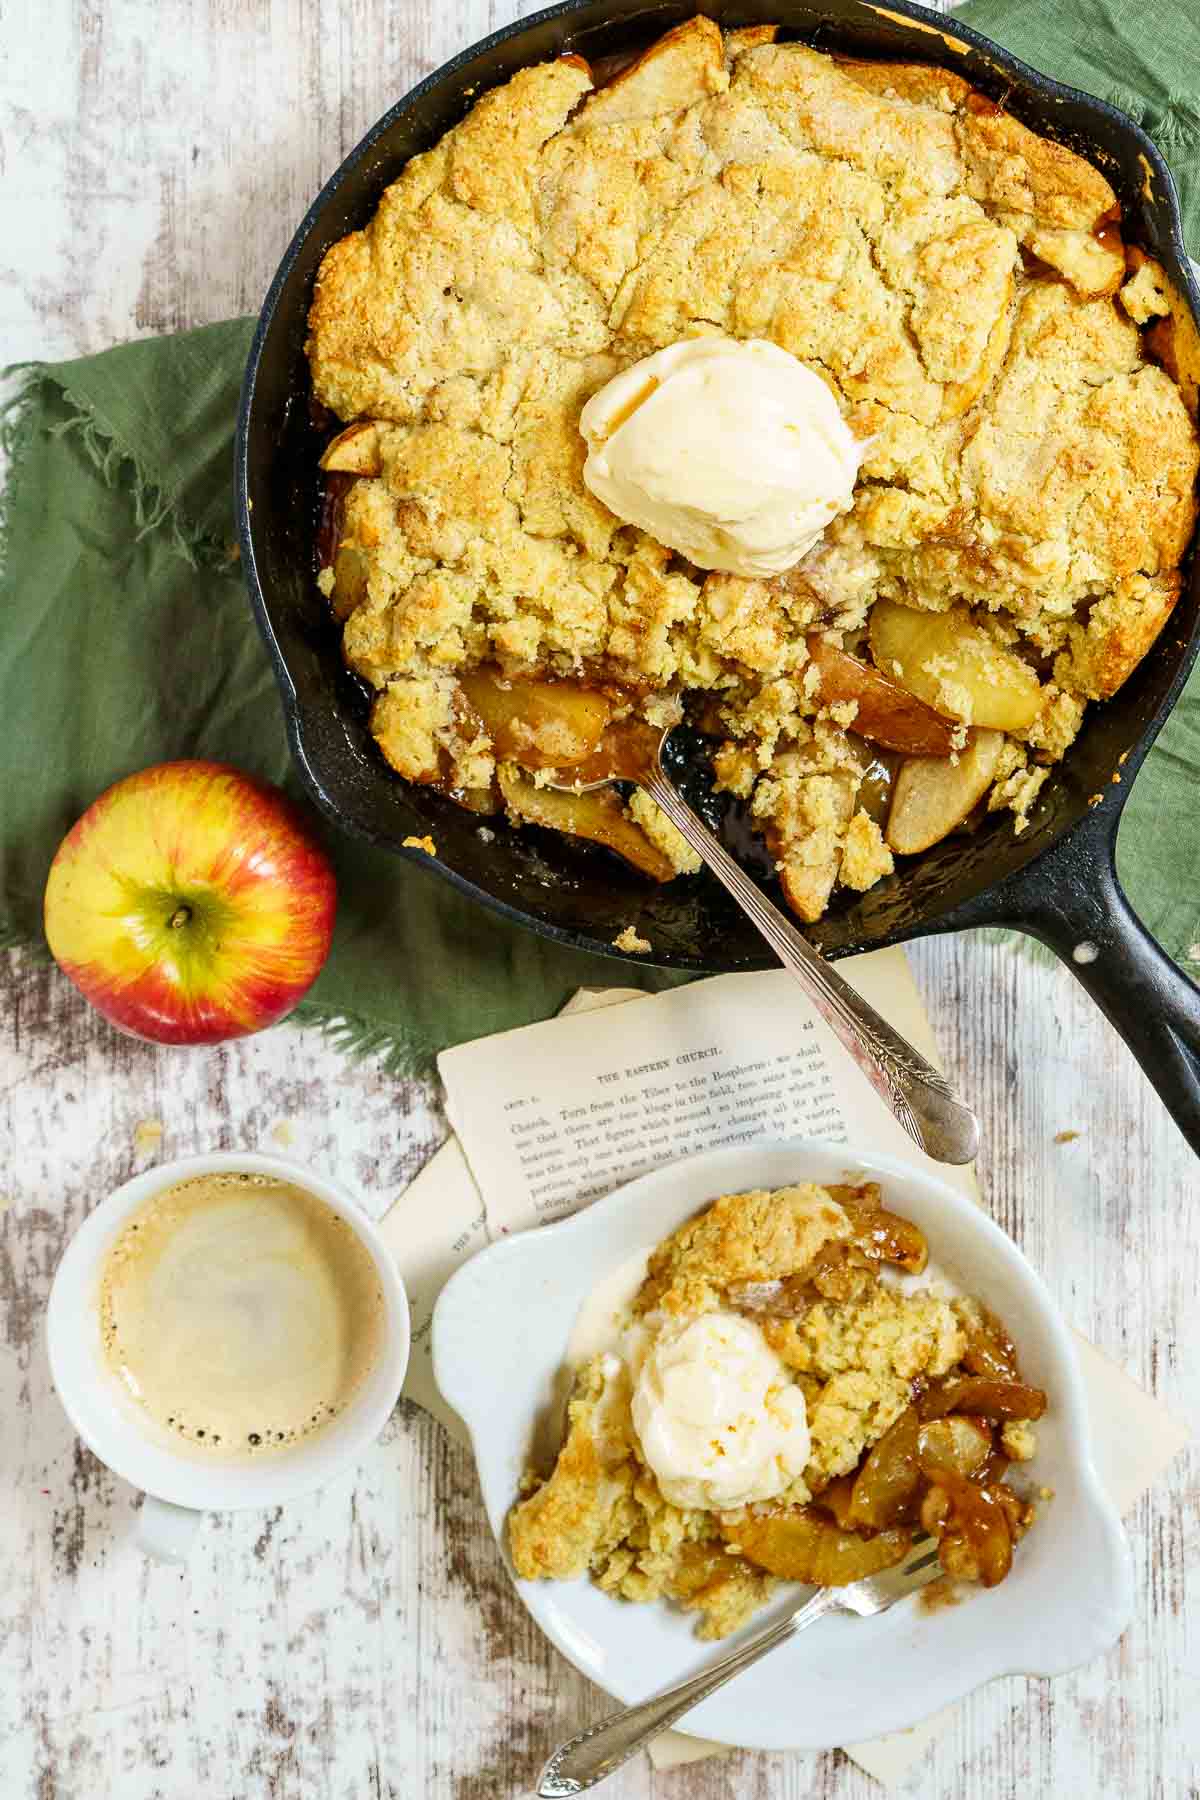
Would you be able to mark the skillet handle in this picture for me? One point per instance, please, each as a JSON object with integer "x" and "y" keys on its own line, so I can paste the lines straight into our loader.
{"x": 1147, "y": 997}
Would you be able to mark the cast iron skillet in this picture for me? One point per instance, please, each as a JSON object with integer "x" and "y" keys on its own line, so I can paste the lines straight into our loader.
{"x": 1057, "y": 881}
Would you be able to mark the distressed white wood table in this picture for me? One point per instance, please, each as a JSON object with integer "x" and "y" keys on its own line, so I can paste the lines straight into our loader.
{"x": 365, "y": 1644}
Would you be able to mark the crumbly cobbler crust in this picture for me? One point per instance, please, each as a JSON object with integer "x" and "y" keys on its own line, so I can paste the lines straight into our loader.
{"x": 957, "y": 281}
{"x": 863, "y": 1350}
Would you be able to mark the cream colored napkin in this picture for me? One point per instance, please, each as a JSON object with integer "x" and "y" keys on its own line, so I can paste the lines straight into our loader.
{"x": 439, "y": 1221}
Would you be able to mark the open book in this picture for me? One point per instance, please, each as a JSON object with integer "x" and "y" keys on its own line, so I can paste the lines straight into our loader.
{"x": 555, "y": 1115}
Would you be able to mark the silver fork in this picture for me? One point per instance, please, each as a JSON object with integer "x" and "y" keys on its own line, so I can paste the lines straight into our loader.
{"x": 919, "y": 1097}
{"x": 592, "y": 1755}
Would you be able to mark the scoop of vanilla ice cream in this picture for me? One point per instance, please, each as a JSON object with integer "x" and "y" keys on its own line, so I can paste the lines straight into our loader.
{"x": 733, "y": 453}
{"x": 717, "y": 1417}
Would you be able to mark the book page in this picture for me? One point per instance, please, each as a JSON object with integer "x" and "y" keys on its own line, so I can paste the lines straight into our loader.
{"x": 438, "y": 1223}
{"x": 553, "y": 1115}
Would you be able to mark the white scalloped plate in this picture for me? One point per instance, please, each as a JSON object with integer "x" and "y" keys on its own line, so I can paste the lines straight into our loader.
{"x": 499, "y": 1335}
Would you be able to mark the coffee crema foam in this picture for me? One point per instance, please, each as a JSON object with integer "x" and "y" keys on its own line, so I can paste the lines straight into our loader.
{"x": 240, "y": 1312}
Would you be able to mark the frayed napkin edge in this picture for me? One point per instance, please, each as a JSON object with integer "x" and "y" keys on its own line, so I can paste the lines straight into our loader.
{"x": 155, "y": 508}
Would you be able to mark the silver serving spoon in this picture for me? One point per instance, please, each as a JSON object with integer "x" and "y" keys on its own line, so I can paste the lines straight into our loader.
{"x": 920, "y": 1098}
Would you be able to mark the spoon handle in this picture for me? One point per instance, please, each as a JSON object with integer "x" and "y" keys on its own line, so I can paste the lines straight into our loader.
{"x": 593, "y": 1754}
{"x": 920, "y": 1098}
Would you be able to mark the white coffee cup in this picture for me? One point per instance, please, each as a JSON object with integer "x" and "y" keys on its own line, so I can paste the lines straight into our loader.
{"x": 180, "y": 1487}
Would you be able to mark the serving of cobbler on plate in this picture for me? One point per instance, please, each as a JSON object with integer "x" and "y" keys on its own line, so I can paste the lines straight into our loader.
{"x": 793, "y": 1395}
{"x": 817, "y": 398}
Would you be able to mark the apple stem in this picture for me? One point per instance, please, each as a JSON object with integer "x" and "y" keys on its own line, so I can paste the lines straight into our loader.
{"x": 180, "y": 917}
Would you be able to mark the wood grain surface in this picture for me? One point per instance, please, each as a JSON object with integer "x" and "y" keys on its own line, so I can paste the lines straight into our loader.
{"x": 365, "y": 1644}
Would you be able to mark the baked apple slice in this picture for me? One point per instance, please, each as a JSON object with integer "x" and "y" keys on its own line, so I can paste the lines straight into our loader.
{"x": 354, "y": 451}
{"x": 962, "y": 1445}
{"x": 990, "y": 1350}
{"x": 975, "y": 1527}
{"x": 930, "y": 797}
{"x": 947, "y": 660}
{"x": 887, "y": 1482}
{"x": 807, "y": 879}
{"x": 887, "y": 714}
{"x": 984, "y": 1397}
{"x": 597, "y": 816}
{"x": 882, "y": 1236}
{"x": 537, "y": 724}
{"x": 804, "y": 1544}
{"x": 678, "y": 70}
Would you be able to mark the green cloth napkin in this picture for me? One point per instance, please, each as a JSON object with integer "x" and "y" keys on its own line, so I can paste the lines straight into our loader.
{"x": 126, "y": 636}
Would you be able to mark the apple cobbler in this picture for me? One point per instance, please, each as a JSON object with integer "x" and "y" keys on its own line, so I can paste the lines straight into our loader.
{"x": 787, "y": 1399}
{"x": 1008, "y": 367}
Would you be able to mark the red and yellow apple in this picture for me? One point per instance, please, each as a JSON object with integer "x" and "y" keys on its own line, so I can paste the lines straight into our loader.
{"x": 190, "y": 904}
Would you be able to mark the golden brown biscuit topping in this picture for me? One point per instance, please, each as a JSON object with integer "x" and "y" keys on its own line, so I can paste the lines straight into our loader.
{"x": 780, "y": 1346}
{"x": 950, "y": 275}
